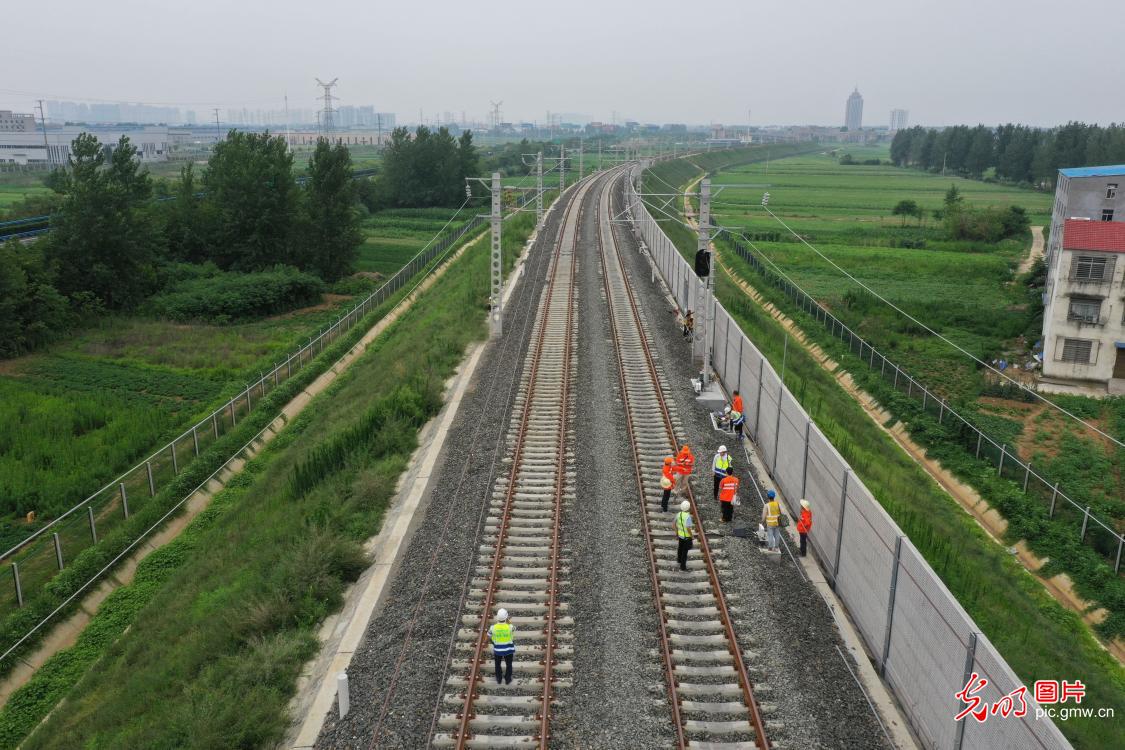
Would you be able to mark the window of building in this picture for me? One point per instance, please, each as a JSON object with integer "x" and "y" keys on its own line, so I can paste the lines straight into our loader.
{"x": 1111, "y": 190}
{"x": 1107, "y": 214}
{"x": 1088, "y": 268}
{"x": 1077, "y": 351}
{"x": 1085, "y": 309}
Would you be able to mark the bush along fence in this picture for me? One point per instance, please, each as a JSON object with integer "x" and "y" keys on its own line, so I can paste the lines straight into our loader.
{"x": 35, "y": 561}
{"x": 922, "y": 641}
{"x": 1094, "y": 531}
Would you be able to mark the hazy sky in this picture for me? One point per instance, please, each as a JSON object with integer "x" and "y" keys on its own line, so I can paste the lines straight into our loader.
{"x": 789, "y": 61}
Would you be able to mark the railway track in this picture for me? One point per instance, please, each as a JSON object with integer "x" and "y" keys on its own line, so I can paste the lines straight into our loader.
{"x": 520, "y": 565}
{"x": 709, "y": 692}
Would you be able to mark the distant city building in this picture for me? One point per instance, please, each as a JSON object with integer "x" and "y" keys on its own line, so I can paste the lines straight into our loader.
{"x": 111, "y": 113}
{"x": 1084, "y": 297}
{"x": 899, "y": 118}
{"x": 853, "y": 116}
{"x": 11, "y": 122}
{"x": 27, "y": 148}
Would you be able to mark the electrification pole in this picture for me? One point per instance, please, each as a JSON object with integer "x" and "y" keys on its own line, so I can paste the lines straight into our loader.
{"x": 704, "y": 245}
{"x": 539, "y": 188}
{"x": 46, "y": 146}
{"x": 218, "y": 132}
{"x": 562, "y": 169}
{"x": 581, "y": 143}
{"x": 496, "y": 315}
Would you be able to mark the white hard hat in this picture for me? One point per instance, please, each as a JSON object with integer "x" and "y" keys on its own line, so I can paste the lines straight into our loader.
{"x": 726, "y": 410}
{"x": 722, "y": 449}
{"x": 502, "y": 615}
{"x": 685, "y": 506}
{"x": 805, "y": 504}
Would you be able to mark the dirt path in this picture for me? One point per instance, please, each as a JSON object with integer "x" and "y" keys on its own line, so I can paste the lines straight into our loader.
{"x": 1036, "y": 250}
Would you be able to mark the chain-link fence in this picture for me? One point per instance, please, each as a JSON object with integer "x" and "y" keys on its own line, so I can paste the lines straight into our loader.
{"x": 924, "y": 644}
{"x": 37, "y": 559}
{"x": 1099, "y": 533}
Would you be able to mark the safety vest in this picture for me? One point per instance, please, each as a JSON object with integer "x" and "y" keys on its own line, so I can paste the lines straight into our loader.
{"x": 773, "y": 512}
{"x": 721, "y": 464}
{"x": 727, "y": 488}
{"x": 501, "y": 635}
{"x": 736, "y": 417}
{"x": 736, "y": 405}
{"x": 666, "y": 478}
{"x": 686, "y": 462}
{"x": 683, "y": 530}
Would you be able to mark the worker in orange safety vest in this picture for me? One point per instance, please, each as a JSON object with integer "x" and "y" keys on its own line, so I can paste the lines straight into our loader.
{"x": 804, "y": 525}
{"x": 728, "y": 489}
{"x": 685, "y": 464}
{"x": 667, "y": 481}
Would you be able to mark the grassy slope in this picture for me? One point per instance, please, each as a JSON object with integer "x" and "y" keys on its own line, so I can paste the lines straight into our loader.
{"x": 1008, "y": 604}
{"x": 227, "y": 616}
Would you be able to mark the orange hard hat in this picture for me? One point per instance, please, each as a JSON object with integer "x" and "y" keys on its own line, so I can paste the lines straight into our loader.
{"x": 668, "y": 460}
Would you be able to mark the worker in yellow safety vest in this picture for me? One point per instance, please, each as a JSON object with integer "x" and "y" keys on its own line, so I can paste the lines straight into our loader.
{"x": 719, "y": 465}
{"x": 503, "y": 646}
{"x": 684, "y": 525}
{"x": 771, "y": 517}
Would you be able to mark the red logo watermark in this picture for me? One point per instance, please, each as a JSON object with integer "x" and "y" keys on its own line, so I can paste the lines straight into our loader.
{"x": 1046, "y": 692}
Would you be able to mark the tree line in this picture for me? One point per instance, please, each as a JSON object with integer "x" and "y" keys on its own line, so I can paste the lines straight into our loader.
{"x": 110, "y": 245}
{"x": 1018, "y": 153}
{"x": 422, "y": 170}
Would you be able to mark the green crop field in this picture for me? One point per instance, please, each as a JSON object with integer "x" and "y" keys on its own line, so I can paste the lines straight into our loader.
{"x": 394, "y": 236}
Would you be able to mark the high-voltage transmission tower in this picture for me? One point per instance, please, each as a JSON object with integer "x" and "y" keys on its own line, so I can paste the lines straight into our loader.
{"x": 496, "y": 114}
{"x": 326, "y": 119}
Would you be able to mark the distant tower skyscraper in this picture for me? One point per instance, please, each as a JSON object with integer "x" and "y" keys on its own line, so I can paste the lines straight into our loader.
{"x": 899, "y": 118}
{"x": 853, "y": 117}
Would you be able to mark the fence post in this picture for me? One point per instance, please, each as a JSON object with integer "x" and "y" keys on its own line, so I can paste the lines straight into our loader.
{"x": 215, "y": 423}
{"x": 275, "y": 377}
{"x": 941, "y": 410}
{"x": 16, "y": 579}
{"x": 195, "y": 439}
{"x": 758, "y": 410}
{"x": 58, "y": 550}
{"x": 175, "y": 461}
{"x": 805, "y": 465}
{"x": 925, "y": 393}
{"x": 249, "y": 406}
{"x": 840, "y": 528}
{"x": 124, "y": 499}
{"x": 740, "y": 340}
{"x": 1026, "y": 476}
{"x": 777, "y": 426}
{"x": 288, "y": 366}
{"x": 1000, "y": 466}
{"x": 1085, "y": 520}
{"x": 896, "y": 377}
{"x": 93, "y": 526}
{"x": 1054, "y": 497}
{"x": 979, "y": 436}
{"x": 151, "y": 481}
{"x": 891, "y": 609}
{"x": 233, "y": 418}
{"x": 871, "y": 364}
{"x": 970, "y": 657}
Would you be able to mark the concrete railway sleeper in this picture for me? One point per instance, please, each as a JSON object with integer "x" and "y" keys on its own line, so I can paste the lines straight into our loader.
{"x": 708, "y": 688}
{"x": 521, "y": 566}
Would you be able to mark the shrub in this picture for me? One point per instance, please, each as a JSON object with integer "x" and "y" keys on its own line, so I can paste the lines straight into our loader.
{"x": 224, "y": 297}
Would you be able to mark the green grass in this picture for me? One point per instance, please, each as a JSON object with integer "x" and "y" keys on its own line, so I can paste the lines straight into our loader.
{"x": 1008, "y": 604}
{"x": 394, "y": 236}
{"x": 221, "y": 620}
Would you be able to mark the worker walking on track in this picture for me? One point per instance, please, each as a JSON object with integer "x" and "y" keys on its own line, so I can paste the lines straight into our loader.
{"x": 667, "y": 481}
{"x": 728, "y": 490}
{"x": 685, "y": 464}
{"x": 771, "y": 517}
{"x": 804, "y": 525}
{"x": 503, "y": 646}
{"x": 684, "y": 526}
{"x": 719, "y": 466}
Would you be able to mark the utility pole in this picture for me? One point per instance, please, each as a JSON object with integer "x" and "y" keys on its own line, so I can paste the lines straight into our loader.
{"x": 581, "y": 144}
{"x": 599, "y": 154}
{"x": 562, "y": 169}
{"x": 218, "y": 132}
{"x": 46, "y": 145}
{"x": 539, "y": 189}
{"x": 288, "y": 145}
{"x": 496, "y": 220}
{"x": 326, "y": 121}
{"x": 704, "y": 245}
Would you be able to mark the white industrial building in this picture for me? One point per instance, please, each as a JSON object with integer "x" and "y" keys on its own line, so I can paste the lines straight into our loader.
{"x": 35, "y": 148}
{"x": 1084, "y": 298}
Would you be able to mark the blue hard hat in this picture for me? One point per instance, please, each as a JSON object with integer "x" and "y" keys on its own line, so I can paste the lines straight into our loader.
{"x": 771, "y": 494}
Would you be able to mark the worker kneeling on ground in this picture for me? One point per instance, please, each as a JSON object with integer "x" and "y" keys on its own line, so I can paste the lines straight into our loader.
{"x": 684, "y": 525}
{"x": 503, "y": 646}
{"x": 728, "y": 494}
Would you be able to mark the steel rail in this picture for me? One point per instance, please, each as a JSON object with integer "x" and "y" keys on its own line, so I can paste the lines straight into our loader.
{"x": 463, "y": 734}
{"x": 705, "y": 549}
